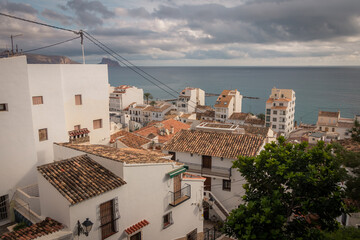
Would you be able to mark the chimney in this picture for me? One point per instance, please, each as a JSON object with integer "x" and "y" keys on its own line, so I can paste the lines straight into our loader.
{"x": 172, "y": 130}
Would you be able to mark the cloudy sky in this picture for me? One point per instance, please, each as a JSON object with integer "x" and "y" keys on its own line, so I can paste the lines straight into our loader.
{"x": 194, "y": 32}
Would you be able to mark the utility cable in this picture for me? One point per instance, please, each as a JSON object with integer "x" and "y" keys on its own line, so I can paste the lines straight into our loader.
{"x": 52, "y": 45}
{"x": 39, "y": 23}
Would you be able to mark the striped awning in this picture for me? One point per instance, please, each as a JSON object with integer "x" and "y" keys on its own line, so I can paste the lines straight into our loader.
{"x": 178, "y": 171}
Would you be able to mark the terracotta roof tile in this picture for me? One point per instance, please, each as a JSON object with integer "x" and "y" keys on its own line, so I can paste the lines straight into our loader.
{"x": 45, "y": 227}
{"x": 80, "y": 178}
{"x": 215, "y": 144}
{"x": 155, "y": 127}
{"x": 136, "y": 227}
{"x": 160, "y": 108}
{"x": 350, "y": 145}
{"x": 239, "y": 116}
{"x": 125, "y": 155}
{"x": 347, "y": 125}
{"x": 328, "y": 114}
{"x": 78, "y": 132}
{"x": 223, "y": 101}
{"x": 129, "y": 139}
{"x": 256, "y": 121}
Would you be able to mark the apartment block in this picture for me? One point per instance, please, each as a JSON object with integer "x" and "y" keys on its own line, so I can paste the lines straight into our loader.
{"x": 334, "y": 125}
{"x": 190, "y": 98}
{"x": 280, "y": 111}
{"x": 227, "y": 103}
{"x": 123, "y": 95}
{"x": 42, "y": 104}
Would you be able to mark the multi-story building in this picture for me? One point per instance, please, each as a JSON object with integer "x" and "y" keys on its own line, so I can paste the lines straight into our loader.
{"x": 210, "y": 154}
{"x": 122, "y": 96}
{"x": 190, "y": 98}
{"x": 144, "y": 114}
{"x": 333, "y": 124}
{"x": 45, "y": 103}
{"x": 280, "y": 110}
{"x": 125, "y": 193}
{"x": 228, "y": 102}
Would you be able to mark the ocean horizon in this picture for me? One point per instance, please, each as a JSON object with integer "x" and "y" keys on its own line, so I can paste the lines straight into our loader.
{"x": 333, "y": 88}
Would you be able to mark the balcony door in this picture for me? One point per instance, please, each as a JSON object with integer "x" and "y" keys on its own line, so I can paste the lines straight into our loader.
{"x": 207, "y": 184}
{"x": 206, "y": 162}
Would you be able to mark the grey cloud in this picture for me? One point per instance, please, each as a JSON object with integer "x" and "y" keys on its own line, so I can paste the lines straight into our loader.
{"x": 66, "y": 20}
{"x": 121, "y": 32}
{"x": 263, "y": 22}
{"x": 139, "y": 12}
{"x": 17, "y": 7}
{"x": 88, "y": 13}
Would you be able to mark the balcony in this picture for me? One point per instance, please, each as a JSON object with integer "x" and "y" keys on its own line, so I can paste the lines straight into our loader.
{"x": 213, "y": 171}
{"x": 79, "y": 136}
{"x": 180, "y": 196}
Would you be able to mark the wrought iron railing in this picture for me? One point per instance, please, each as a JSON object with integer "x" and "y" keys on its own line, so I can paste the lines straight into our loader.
{"x": 212, "y": 234}
{"x": 180, "y": 196}
{"x": 213, "y": 171}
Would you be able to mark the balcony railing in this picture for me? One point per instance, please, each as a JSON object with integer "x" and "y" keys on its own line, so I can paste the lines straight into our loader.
{"x": 180, "y": 196}
{"x": 213, "y": 171}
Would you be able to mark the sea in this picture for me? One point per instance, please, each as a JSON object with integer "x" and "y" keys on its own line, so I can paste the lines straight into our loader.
{"x": 316, "y": 88}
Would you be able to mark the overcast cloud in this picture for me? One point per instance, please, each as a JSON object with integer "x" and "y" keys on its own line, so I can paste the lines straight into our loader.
{"x": 197, "y": 32}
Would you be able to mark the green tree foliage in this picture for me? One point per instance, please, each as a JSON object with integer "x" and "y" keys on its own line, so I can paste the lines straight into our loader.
{"x": 347, "y": 233}
{"x": 261, "y": 116}
{"x": 355, "y": 131}
{"x": 291, "y": 192}
{"x": 152, "y": 103}
{"x": 147, "y": 96}
{"x": 351, "y": 160}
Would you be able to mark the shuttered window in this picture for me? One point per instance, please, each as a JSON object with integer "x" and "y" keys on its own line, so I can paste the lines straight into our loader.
{"x": 78, "y": 100}
{"x": 97, "y": 123}
{"x": 136, "y": 236}
{"x": 37, "y": 100}
{"x": 107, "y": 217}
{"x": 43, "y": 136}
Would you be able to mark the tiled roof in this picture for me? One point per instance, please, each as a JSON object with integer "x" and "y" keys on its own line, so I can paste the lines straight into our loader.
{"x": 78, "y": 132}
{"x": 226, "y": 145}
{"x": 186, "y": 115}
{"x": 129, "y": 139}
{"x": 80, "y": 178}
{"x": 350, "y": 145}
{"x": 155, "y": 128}
{"x": 136, "y": 227}
{"x": 263, "y": 131}
{"x": 201, "y": 108}
{"x": 223, "y": 101}
{"x": 347, "y": 125}
{"x": 125, "y": 155}
{"x": 329, "y": 114}
{"x": 239, "y": 116}
{"x": 207, "y": 113}
{"x": 256, "y": 121}
{"x": 45, "y": 227}
{"x": 279, "y": 107}
{"x": 160, "y": 108}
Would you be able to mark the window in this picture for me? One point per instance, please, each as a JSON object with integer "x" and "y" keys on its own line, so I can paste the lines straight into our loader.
{"x": 274, "y": 126}
{"x": 4, "y": 206}
{"x": 78, "y": 100}
{"x": 167, "y": 220}
{"x": 274, "y": 104}
{"x": 281, "y": 104}
{"x": 107, "y": 219}
{"x": 282, "y": 95}
{"x": 43, "y": 136}
{"x": 274, "y": 119}
{"x": 3, "y": 107}
{"x": 136, "y": 236}
{"x": 267, "y": 124}
{"x": 226, "y": 185}
{"x": 173, "y": 155}
{"x": 274, "y": 112}
{"x": 37, "y": 100}
{"x": 268, "y": 111}
{"x": 97, "y": 123}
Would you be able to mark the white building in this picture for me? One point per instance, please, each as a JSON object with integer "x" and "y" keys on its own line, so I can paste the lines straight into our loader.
{"x": 332, "y": 124}
{"x": 210, "y": 154}
{"x": 122, "y": 96}
{"x": 189, "y": 99}
{"x": 228, "y": 102}
{"x": 125, "y": 193}
{"x": 45, "y": 103}
{"x": 144, "y": 114}
{"x": 280, "y": 110}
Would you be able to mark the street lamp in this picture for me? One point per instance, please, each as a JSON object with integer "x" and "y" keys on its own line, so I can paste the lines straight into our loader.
{"x": 85, "y": 227}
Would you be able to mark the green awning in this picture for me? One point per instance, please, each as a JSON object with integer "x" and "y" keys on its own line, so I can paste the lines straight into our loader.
{"x": 177, "y": 171}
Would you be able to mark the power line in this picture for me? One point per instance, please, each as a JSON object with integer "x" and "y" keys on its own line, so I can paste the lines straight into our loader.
{"x": 39, "y": 23}
{"x": 52, "y": 45}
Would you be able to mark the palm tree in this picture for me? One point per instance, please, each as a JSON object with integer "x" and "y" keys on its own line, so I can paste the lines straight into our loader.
{"x": 147, "y": 96}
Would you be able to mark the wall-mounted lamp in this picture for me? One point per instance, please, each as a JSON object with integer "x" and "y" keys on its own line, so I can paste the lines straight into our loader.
{"x": 85, "y": 227}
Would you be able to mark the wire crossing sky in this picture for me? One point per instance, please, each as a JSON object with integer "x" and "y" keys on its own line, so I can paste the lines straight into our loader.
{"x": 194, "y": 33}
